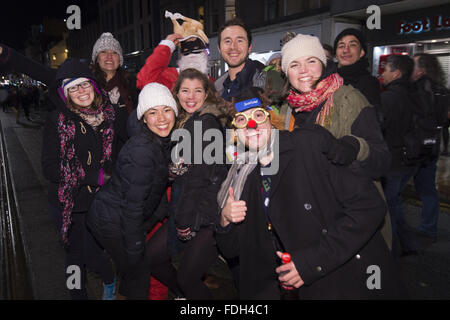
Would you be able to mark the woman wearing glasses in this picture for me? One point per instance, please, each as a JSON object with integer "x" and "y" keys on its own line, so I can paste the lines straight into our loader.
{"x": 77, "y": 146}
{"x": 292, "y": 199}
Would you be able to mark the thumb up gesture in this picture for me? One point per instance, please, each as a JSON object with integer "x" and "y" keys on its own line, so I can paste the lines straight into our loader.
{"x": 234, "y": 210}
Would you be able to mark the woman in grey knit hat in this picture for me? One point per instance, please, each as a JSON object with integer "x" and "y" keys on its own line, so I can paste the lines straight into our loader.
{"x": 107, "y": 66}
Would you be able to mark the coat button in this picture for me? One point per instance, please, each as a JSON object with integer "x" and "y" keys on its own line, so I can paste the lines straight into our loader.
{"x": 308, "y": 206}
{"x": 319, "y": 269}
{"x": 266, "y": 202}
{"x": 358, "y": 256}
{"x": 324, "y": 231}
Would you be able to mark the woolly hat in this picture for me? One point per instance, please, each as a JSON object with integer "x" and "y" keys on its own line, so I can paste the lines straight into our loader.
{"x": 352, "y": 32}
{"x": 107, "y": 42}
{"x": 153, "y": 95}
{"x": 71, "y": 82}
{"x": 300, "y": 46}
{"x": 276, "y": 55}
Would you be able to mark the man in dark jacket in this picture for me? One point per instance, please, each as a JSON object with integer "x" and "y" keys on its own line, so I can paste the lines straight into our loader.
{"x": 350, "y": 49}
{"x": 235, "y": 45}
{"x": 396, "y": 109}
{"x": 428, "y": 78}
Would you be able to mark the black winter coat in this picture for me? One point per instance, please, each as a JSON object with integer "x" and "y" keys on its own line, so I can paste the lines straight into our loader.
{"x": 88, "y": 145}
{"x": 359, "y": 78}
{"x": 197, "y": 206}
{"x": 133, "y": 193}
{"x": 396, "y": 107}
{"x": 327, "y": 218}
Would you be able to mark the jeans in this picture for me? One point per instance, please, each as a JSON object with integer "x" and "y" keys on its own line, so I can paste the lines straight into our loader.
{"x": 393, "y": 185}
{"x": 425, "y": 184}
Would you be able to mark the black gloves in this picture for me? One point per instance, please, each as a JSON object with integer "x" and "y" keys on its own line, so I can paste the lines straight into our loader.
{"x": 342, "y": 151}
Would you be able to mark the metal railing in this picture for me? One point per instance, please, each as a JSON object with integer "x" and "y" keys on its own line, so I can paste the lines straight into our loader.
{"x": 15, "y": 281}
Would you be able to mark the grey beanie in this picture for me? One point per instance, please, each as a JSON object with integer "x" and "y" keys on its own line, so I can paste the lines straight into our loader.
{"x": 107, "y": 42}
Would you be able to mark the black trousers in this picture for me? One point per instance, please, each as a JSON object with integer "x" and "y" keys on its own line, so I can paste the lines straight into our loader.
{"x": 134, "y": 280}
{"x": 198, "y": 254}
{"x": 83, "y": 252}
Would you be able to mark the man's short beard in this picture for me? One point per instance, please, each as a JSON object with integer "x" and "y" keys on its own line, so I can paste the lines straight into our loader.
{"x": 237, "y": 65}
{"x": 197, "y": 61}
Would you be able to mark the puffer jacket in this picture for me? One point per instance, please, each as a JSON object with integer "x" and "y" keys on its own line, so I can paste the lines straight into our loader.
{"x": 133, "y": 193}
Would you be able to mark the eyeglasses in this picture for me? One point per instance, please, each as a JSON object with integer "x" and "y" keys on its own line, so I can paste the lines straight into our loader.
{"x": 84, "y": 85}
{"x": 241, "y": 120}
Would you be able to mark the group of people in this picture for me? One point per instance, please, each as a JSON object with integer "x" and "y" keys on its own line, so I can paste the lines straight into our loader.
{"x": 115, "y": 173}
{"x": 23, "y": 98}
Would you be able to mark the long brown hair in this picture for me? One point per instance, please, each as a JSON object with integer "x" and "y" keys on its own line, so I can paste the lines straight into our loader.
{"x": 192, "y": 74}
{"x": 286, "y": 89}
{"x": 100, "y": 75}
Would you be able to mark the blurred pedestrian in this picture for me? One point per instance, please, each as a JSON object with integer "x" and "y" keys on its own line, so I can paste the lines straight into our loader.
{"x": 430, "y": 94}
{"x": 396, "y": 106}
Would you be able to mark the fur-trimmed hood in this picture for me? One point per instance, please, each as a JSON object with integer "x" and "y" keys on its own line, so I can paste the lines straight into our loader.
{"x": 221, "y": 111}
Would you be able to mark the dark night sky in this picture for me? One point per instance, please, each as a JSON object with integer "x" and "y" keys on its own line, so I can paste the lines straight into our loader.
{"x": 16, "y": 17}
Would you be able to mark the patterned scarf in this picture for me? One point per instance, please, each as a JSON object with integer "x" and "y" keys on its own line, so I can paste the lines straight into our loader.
{"x": 71, "y": 170}
{"x": 306, "y": 102}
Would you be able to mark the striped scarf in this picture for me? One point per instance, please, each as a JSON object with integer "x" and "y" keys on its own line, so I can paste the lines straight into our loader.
{"x": 306, "y": 102}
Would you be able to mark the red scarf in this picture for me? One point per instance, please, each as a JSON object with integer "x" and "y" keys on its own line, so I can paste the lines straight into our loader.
{"x": 306, "y": 102}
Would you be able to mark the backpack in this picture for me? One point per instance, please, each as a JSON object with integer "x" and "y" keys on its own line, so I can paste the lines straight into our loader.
{"x": 422, "y": 141}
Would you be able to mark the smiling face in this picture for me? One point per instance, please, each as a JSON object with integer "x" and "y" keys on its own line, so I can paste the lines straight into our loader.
{"x": 160, "y": 120}
{"x": 191, "y": 95}
{"x": 234, "y": 46}
{"x": 108, "y": 61}
{"x": 257, "y": 137}
{"x": 83, "y": 97}
{"x": 348, "y": 51}
{"x": 304, "y": 72}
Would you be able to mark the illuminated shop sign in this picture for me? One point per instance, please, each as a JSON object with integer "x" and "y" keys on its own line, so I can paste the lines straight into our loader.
{"x": 424, "y": 25}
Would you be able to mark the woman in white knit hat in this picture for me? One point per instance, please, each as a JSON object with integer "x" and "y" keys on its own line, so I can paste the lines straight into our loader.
{"x": 122, "y": 207}
{"x": 317, "y": 95}
{"x": 193, "y": 205}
